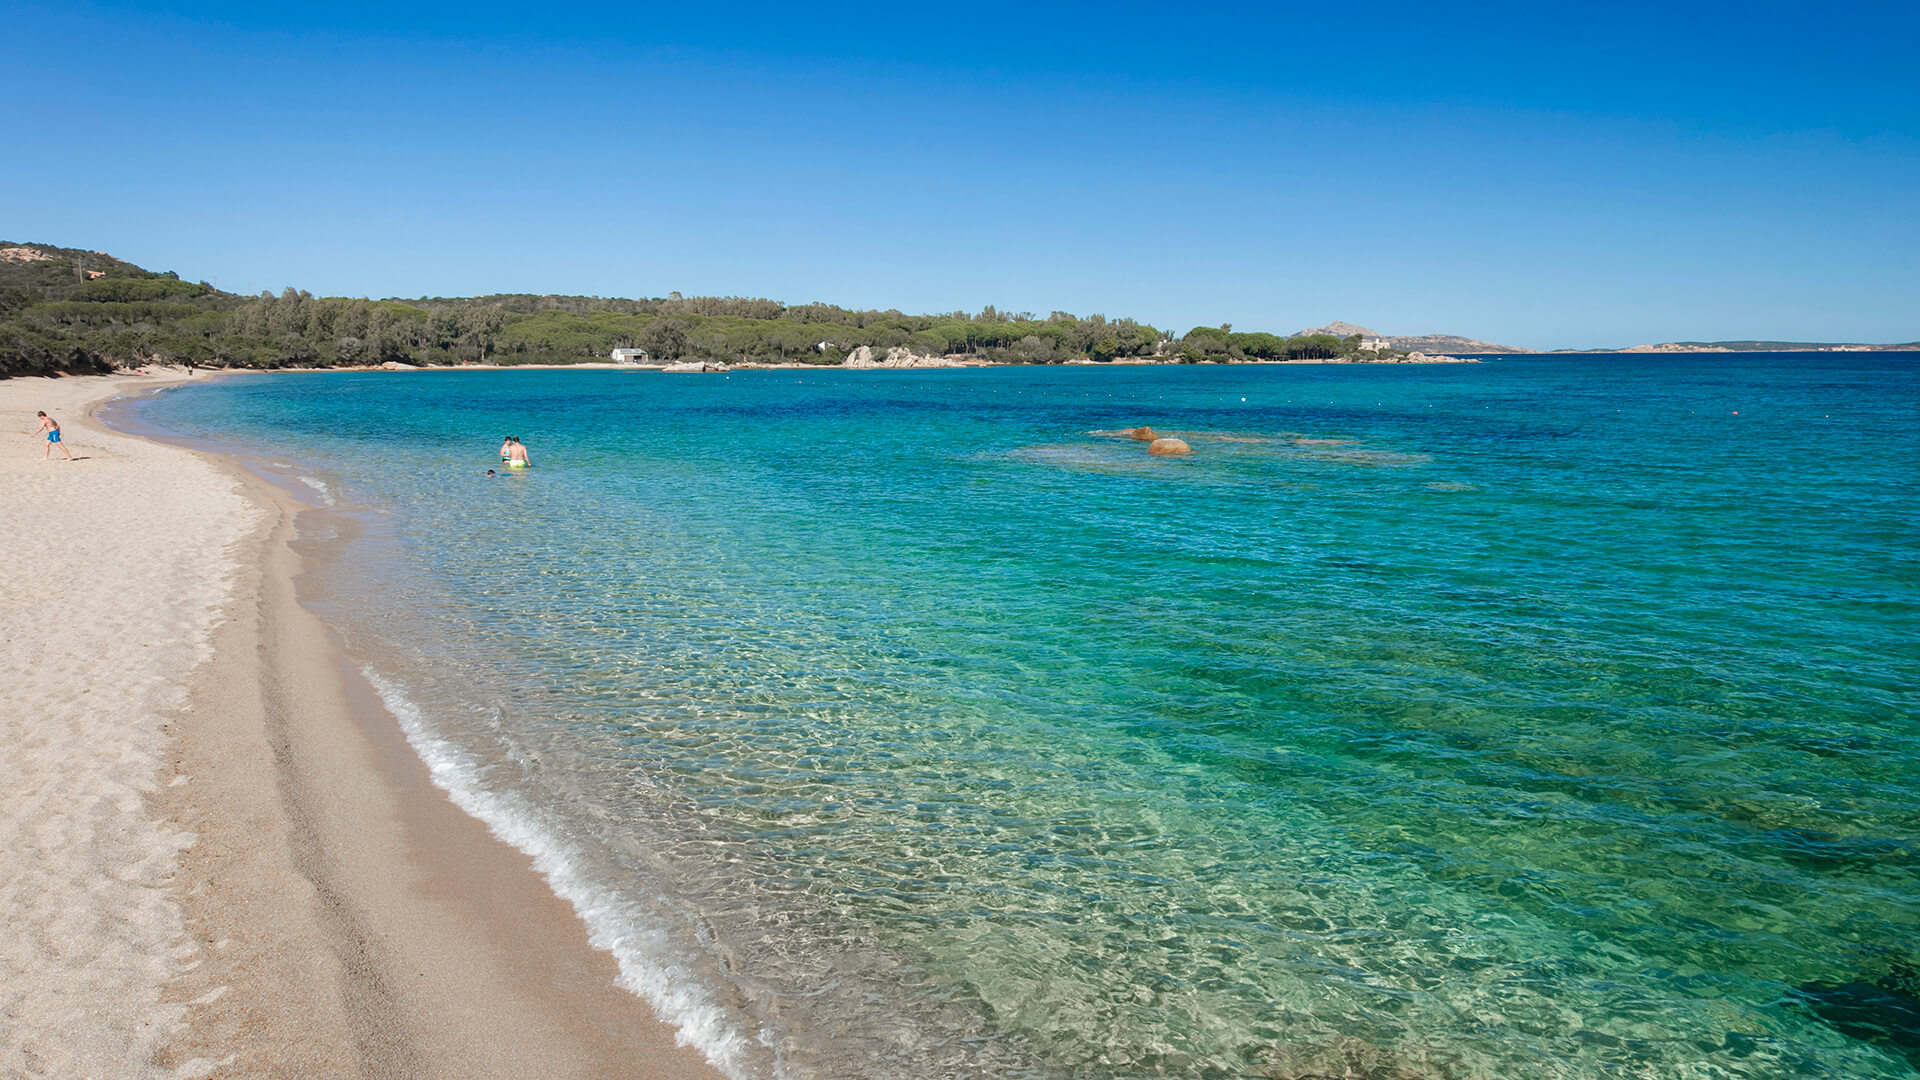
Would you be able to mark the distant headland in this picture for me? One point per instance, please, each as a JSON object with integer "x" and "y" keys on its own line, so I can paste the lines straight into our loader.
{"x": 1753, "y": 346}
{"x": 1449, "y": 343}
{"x": 69, "y": 310}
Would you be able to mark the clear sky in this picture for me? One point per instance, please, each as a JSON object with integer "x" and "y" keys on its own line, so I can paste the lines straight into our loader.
{"x": 1537, "y": 174}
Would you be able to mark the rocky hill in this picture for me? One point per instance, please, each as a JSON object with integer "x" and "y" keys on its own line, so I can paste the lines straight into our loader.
{"x": 70, "y": 310}
{"x": 1338, "y": 329}
{"x": 43, "y": 272}
{"x": 1431, "y": 344}
{"x": 1450, "y": 343}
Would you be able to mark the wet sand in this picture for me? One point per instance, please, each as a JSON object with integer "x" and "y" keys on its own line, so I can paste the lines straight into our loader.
{"x": 222, "y": 858}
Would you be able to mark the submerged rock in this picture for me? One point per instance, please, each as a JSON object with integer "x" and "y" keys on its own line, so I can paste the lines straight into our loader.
{"x": 1168, "y": 448}
{"x": 1883, "y": 1013}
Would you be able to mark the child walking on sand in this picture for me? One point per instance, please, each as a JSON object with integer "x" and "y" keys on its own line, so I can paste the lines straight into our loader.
{"x": 51, "y": 429}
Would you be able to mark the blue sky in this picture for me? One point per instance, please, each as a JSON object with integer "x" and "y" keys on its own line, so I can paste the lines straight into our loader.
{"x": 1539, "y": 175}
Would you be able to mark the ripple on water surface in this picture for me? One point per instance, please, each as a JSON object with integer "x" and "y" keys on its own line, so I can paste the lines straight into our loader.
{"x": 1527, "y": 719}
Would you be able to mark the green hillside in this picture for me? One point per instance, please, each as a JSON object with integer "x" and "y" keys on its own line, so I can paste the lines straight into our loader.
{"x": 66, "y": 310}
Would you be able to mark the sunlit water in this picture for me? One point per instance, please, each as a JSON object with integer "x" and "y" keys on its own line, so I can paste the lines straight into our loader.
{"x": 1540, "y": 718}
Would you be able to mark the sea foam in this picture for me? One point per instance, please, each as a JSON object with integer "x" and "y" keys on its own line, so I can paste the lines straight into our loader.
{"x": 325, "y": 491}
{"x": 650, "y": 965}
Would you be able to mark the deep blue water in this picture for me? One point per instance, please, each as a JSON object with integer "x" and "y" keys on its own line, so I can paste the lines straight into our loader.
{"x": 1544, "y": 717}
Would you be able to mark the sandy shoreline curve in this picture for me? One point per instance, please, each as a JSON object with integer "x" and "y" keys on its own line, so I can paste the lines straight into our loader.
{"x": 219, "y": 856}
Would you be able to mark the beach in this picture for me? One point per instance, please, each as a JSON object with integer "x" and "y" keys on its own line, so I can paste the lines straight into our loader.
{"x": 221, "y": 856}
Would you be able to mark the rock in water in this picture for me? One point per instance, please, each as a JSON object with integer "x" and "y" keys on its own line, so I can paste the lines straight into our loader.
{"x": 1884, "y": 1013}
{"x": 1141, "y": 434}
{"x": 1168, "y": 447}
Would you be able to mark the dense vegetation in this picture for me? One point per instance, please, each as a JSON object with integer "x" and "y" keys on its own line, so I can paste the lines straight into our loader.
{"x": 63, "y": 309}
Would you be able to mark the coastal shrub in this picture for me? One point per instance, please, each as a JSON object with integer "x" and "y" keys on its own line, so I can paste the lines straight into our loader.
{"x": 124, "y": 290}
{"x": 78, "y": 307}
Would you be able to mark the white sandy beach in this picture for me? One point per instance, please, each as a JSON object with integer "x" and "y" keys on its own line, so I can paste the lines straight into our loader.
{"x": 217, "y": 855}
{"x": 121, "y": 562}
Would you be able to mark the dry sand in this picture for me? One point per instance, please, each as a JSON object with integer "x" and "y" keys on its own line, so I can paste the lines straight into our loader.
{"x": 218, "y": 857}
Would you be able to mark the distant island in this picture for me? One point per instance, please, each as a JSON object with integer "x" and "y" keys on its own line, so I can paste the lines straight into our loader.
{"x": 1754, "y": 346}
{"x": 1449, "y": 343}
{"x": 69, "y": 310}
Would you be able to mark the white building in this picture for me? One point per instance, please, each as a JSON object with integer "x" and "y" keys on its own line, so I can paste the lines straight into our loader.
{"x": 629, "y": 356}
{"x": 1374, "y": 344}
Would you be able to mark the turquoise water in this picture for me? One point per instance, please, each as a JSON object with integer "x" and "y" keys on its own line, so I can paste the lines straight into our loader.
{"x": 1544, "y": 718}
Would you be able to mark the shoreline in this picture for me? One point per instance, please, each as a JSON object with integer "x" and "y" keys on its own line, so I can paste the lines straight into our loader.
{"x": 313, "y": 904}
{"x": 166, "y": 372}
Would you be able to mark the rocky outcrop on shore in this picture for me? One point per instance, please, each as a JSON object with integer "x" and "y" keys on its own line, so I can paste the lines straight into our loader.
{"x": 694, "y": 366}
{"x": 898, "y": 357}
{"x": 1393, "y": 358}
{"x": 1422, "y": 358}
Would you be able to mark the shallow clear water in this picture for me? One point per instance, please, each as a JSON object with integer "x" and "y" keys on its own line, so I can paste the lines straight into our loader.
{"x": 1545, "y": 717}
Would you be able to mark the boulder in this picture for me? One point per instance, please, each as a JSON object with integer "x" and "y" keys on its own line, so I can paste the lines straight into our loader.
{"x": 1140, "y": 434}
{"x": 1168, "y": 447}
{"x": 898, "y": 357}
{"x": 694, "y": 366}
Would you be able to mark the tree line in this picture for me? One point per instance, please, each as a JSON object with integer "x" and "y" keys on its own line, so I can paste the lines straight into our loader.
{"x": 68, "y": 310}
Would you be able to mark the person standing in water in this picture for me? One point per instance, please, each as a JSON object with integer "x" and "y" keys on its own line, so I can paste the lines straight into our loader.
{"x": 51, "y": 429}
{"x": 506, "y": 449}
{"x": 517, "y": 456}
